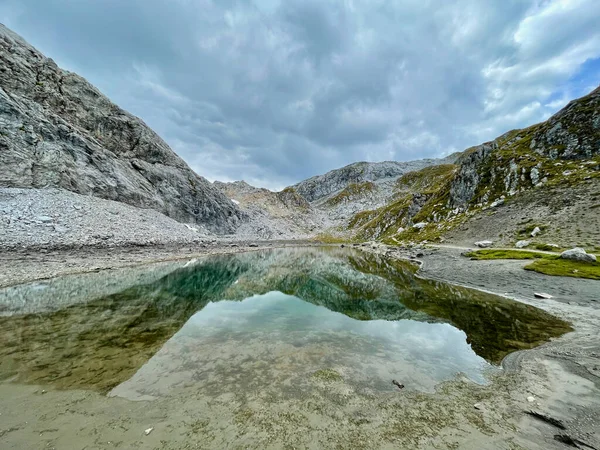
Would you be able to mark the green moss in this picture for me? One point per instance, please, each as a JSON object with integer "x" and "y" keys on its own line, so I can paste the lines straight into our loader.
{"x": 566, "y": 268}
{"x": 327, "y": 375}
{"x": 506, "y": 254}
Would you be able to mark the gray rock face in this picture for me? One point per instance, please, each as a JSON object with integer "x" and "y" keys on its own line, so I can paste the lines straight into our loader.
{"x": 321, "y": 186}
{"x": 57, "y": 130}
{"x": 522, "y": 159}
{"x": 578, "y": 254}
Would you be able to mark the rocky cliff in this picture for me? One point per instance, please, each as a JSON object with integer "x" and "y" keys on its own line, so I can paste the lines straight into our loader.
{"x": 550, "y": 170}
{"x": 57, "y": 130}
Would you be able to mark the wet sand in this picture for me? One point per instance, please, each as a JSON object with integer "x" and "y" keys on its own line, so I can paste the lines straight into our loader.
{"x": 561, "y": 376}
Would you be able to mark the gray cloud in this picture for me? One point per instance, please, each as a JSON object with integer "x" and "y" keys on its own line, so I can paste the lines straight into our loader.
{"x": 276, "y": 91}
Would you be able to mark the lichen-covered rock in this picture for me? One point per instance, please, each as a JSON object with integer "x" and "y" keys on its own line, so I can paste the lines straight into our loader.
{"x": 57, "y": 130}
{"x": 578, "y": 254}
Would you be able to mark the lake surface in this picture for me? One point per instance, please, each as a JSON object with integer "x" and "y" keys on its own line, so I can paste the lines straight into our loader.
{"x": 294, "y": 319}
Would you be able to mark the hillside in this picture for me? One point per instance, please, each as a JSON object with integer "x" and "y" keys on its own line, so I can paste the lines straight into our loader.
{"x": 273, "y": 215}
{"x": 58, "y": 131}
{"x": 547, "y": 174}
{"x": 334, "y": 181}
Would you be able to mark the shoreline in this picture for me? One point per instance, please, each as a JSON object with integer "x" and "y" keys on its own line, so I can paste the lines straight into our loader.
{"x": 563, "y": 375}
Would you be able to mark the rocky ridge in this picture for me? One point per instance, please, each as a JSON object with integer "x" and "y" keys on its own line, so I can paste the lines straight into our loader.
{"x": 273, "y": 215}
{"x": 334, "y": 181}
{"x": 550, "y": 159}
{"x": 57, "y": 130}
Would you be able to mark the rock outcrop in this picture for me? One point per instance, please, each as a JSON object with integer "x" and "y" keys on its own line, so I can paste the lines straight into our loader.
{"x": 273, "y": 215}
{"x": 546, "y": 153}
{"x": 57, "y": 130}
{"x": 321, "y": 186}
{"x": 578, "y": 254}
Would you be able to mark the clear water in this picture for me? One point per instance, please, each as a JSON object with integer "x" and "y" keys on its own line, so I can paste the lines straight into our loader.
{"x": 294, "y": 319}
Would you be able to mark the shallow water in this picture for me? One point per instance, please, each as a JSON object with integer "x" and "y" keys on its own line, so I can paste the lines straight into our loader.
{"x": 288, "y": 318}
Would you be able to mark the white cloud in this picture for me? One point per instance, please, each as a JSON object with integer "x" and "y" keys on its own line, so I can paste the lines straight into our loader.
{"x": 276, "y": 91}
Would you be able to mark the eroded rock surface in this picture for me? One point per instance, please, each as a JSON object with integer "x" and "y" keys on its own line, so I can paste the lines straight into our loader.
{"x": 57, "y": 130}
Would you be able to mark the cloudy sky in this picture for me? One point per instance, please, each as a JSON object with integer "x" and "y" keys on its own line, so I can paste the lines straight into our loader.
{"x": 275, "y": 91}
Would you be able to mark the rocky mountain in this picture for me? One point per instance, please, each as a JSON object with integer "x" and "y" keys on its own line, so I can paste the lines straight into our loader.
{"x": 57, "y": 130}
{"x": 320, "y": 186}
{"x": 273, "y": 215}
{"x": 547, "y": 174}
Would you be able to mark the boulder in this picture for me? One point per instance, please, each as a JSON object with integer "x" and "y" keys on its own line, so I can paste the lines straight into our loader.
{"x": 536, "y": 231}
{"x": 578, "y": 254}
{"x": 420, "y": 225}
{"x": 484, "y": 244}
{"x": 522, "y": 244}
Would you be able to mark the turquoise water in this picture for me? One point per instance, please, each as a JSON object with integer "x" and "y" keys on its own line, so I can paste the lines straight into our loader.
{"x": 295, "y": 319}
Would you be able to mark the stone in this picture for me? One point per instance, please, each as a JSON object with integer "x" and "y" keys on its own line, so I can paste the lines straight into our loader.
{"x": 536, "y": 231}
{"x": 44, "y": 219}
{"x": 497, "y": 203}
{"x": 578, "y": 254}
{"x": 420, "y": 225}
{"x": 56, "y": 120}
{"x": 522, "y": 244}
{"x": 147, "y": 431}
{"x": 542, "y": 295}
{"x": 484, "y": 244}
{"x": 531, "y": 399}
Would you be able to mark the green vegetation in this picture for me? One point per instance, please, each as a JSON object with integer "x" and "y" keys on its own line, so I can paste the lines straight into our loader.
{"x": 428, "y": 190}
{"x": 351, "y": 191}
{"x": 428, "y": 180}
{"x": 327, "y": 375}
{"x": 507, "y": 254}
{"x": 544, "y": 263}
{"x": 327, "y": 238}
{"x": 566, "y": 268}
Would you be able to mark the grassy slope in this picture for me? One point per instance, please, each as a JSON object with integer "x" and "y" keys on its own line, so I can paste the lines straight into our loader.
{"x": 384, "y": 222}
